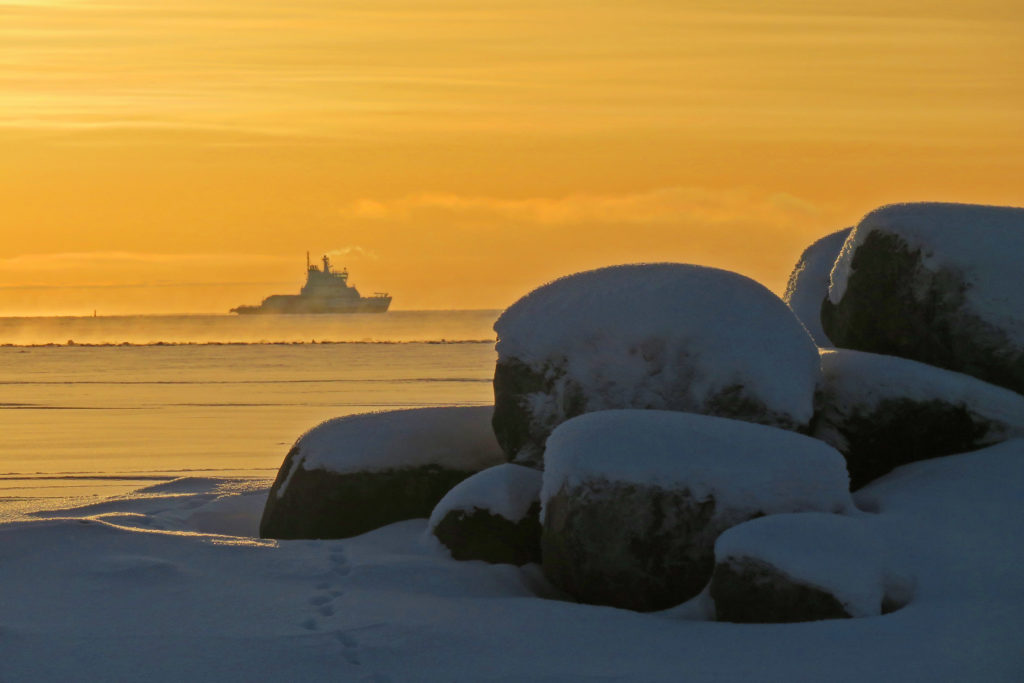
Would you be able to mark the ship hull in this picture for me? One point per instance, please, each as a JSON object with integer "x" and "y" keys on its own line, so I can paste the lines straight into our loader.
{"x": 299, "y": 305}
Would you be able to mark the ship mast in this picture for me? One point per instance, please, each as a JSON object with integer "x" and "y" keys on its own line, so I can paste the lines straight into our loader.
{"x": 307, "y": 260}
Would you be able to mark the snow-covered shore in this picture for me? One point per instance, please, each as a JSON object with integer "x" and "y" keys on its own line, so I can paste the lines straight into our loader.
{"x": 170, "y": 585}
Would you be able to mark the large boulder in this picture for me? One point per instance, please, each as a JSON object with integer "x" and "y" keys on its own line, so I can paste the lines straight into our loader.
{"x": 803, "y": 567}
{"x": 936, "y": 283}
{"x": 808, "y": 284}
{"x": 492, "y": 516}
{"x": 354, "y": 474}
{"x": 633, "y": 500}
{"x": 656, "y": 336}
{"x": 881, "y": 412}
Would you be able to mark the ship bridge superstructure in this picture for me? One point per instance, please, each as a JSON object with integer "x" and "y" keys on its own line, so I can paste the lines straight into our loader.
{"x": 327, "y": 283}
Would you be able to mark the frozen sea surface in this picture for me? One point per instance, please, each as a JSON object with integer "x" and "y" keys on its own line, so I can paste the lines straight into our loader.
{"x": 84, "y": 420}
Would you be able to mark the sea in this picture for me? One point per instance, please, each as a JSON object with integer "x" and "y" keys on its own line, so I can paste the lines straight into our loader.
{"x": 94, "y": 407}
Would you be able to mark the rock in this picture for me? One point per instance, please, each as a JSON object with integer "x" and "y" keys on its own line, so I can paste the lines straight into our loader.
{"x": 936, "y": 283}
{"x": 492, "y": 516}
{"x": 881, "y": 412}
{"x": 354, "y": 474}
{"x": 752, "y": 592}
{"x": 657, "y": 336}
{"x": 803, "y": 567}
{"x": 633, "y": 500}
{"x": 808, "y": 284}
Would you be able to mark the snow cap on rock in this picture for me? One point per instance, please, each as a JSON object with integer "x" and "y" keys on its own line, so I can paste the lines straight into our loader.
{"x": 835, "y": 553}
{"x": 648, "y": 335}
{"x": 983, "y": 243}
{"x": 809, "y": 282}
{"x": 741, "y": 465}
{"x": 858, "y": 380}
{"x": 506, "y": 491}
{"x": 458, "y": 438}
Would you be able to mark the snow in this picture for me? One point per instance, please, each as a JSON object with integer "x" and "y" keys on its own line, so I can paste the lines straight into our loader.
{"x": 506, "y": 491}
{"x": 133, "y": 594}
{"x": 809, "y": 281}
{"x": 458, "y": 438}
{"x": 983, "y": 243}
{"x": 838, "y": 554}
{"x": 634, "y": 334}
{"x": 856, "y": 380}
{"x": 743, "y": 466}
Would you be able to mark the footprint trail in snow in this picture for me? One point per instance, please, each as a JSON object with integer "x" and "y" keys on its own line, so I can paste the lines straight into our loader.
{"x": 322, "y": 603}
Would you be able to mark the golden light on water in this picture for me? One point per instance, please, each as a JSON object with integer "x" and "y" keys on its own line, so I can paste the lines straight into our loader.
{"x": 183, "y": 155}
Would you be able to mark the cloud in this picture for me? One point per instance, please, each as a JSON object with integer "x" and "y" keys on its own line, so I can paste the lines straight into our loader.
{"x": 684, "y": 205}
{"x": 78, "y": 259}
{"x": 354, "y": 251}
{"x": 135, "y": 269}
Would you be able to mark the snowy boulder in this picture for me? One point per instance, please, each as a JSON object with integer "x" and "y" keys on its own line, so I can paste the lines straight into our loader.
{"x": 353, "y": 474}
{"x": 655, "y": 336}
{"x": 633, "y": 500}
{"x": 492, "y": 516}
{"x": 881, "y": 412}
{"x": 803, "y": 567}
{"x": 808, "y": 284}
{"x": 936, "y": 283}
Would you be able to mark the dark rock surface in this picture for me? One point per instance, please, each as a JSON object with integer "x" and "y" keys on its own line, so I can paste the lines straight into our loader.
{"x": 637, "y": 547}
{"x": 493, "y": 516}
{"x": 805, "y": 567}
{"x": 517, "y": 429}
{"x": 355, "y": 473}
{"x": 483, "y": 535}
{"x": 896, "y": 304}
{"x": 900, "y": 431}
{"x": 882, "y": 412}
{"x": 752, "y": 592}
{"x": 323, "y": 504}
{"x": 634, "y": 500}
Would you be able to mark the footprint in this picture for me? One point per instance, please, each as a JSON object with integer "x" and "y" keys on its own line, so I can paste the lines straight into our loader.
{"x": 325, "y": 595}
{"x": 350, "y": 644}
{"x": 340, "y": 561}
{"x": 345, "y": 639}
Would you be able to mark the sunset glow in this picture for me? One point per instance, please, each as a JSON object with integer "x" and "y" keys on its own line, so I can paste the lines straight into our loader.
{"x": 184, "y": 155}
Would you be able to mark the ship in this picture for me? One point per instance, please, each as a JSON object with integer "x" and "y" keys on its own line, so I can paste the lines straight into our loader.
{"x": 325, "y": 291}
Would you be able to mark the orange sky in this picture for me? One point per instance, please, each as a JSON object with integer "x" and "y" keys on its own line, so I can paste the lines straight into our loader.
{"x": 183, "y": 155}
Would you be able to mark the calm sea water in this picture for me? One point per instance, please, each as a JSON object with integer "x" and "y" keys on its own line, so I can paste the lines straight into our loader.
{"x": 98, "y": 406}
